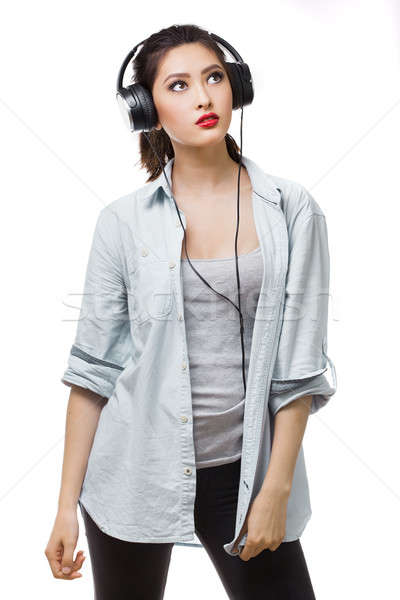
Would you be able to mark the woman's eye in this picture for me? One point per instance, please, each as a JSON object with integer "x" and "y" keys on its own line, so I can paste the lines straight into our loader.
{"x": 171, "y": 87}
{"x": 219, "y": 74}
{"x": 180, "y": 81}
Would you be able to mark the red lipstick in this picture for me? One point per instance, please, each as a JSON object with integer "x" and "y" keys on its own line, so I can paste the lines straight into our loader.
{"x": 207, "y": 120}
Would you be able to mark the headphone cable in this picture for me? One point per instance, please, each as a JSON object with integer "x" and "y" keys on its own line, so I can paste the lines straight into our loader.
{"x": 236, "y": 236}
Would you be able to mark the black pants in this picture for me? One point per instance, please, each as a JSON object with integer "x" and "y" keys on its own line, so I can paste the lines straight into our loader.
{"x": 131, "y": 570}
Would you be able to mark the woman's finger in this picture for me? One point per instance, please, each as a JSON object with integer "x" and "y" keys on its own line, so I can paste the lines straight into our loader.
{"x": 76, "y": 565}
{"x": 56, "y": 567}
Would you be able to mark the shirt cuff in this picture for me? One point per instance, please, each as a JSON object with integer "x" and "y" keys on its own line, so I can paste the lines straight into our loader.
{"x": 285, "y": 391}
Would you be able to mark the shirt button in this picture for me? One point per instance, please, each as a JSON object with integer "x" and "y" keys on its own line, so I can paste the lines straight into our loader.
{"x": 144, "y": 252}
{"x": 188, "y": 471}
{"x": 171, "y": 264}
{"x": 178, "y": 223}
{"x": 180, "y": 317}
{"x": 184, "y": 419}
{"x": 184, "y": 366}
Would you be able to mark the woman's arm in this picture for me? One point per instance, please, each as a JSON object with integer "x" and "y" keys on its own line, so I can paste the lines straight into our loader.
{"x": 83, "y": 412}
{"x": 101, "y": 349}
{"x": 290, "y": 424}
{"x": 266, "y": 520}
{"x": 302, "y": 359}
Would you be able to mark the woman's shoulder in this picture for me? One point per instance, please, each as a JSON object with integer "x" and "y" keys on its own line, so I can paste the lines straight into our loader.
{"x": 294, "y": 199}
{"x": 297, "y": 201}
{"x": 121, "y": 210}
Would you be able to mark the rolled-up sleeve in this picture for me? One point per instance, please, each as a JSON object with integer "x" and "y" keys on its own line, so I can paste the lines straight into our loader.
{"x": 302, "y": 356}
{"x": 102, "y": 342}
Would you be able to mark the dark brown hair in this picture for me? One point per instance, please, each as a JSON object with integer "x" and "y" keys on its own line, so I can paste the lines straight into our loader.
{"x": 145, "y": 66}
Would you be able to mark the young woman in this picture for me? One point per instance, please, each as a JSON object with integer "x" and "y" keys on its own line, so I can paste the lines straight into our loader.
{"x": 158, "y": 455}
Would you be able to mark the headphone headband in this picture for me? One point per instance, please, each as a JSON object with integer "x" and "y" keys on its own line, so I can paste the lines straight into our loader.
{"x": 132, "y": 52}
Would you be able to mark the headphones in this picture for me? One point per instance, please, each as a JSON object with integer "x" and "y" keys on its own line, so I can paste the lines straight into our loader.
{"x": 140, "y": 115}
{"x": 136, "y": 101}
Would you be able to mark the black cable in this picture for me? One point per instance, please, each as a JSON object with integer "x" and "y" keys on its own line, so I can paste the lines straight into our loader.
{"x": 236, "y": 255}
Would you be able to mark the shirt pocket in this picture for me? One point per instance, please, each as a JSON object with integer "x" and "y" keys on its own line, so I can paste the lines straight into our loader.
{"x": 150, "y": 291}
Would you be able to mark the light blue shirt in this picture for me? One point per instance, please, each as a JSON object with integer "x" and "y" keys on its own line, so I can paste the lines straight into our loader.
{"x": 130, "y": 347}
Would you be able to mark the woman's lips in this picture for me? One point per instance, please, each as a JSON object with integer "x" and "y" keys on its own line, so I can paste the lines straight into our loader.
{"x": 208, "y": 122}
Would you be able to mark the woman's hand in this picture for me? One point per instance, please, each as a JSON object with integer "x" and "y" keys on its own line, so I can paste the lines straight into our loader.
{"x": 61, "y": 546}
{"x": 265, "y": 522}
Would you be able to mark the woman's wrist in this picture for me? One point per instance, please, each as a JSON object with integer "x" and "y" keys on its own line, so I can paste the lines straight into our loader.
{"x": 280, "y": 487}
{"x": 67, "y": 504}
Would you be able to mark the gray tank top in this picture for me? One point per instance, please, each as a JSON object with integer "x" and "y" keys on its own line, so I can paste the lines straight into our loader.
{"x": 214, "y": 351}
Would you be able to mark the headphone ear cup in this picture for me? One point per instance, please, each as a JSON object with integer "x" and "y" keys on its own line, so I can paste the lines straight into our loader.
{"x": 140, "y": 106}
{"x": 241, "y": 83}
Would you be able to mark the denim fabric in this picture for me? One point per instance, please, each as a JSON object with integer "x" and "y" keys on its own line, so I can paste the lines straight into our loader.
{"x": 130, "y": 347}
{"x": 135, "y": 570}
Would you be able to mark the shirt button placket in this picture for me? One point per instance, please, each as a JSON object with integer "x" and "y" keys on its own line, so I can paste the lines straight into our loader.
{"x": 184, "y": 366}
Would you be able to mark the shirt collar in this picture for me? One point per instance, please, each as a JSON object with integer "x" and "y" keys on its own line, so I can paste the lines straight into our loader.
{"x": 262, "y": 182}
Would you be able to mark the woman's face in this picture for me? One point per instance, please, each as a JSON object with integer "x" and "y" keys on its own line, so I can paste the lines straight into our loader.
{"x": 181, "y": 99}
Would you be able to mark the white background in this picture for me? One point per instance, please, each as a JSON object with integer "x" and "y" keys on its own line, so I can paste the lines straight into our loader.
{"x": 326, "y": 113}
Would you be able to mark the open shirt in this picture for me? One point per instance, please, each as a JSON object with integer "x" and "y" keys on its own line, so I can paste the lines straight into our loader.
{"x": 130, "y": 347}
